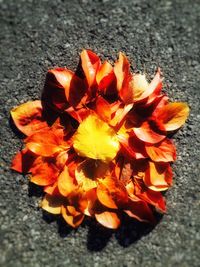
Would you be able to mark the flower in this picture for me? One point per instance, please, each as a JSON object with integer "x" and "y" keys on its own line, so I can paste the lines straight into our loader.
{"x": 98, "y": 143}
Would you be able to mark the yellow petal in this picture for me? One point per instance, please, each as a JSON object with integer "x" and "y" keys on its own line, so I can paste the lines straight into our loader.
{"x": 95, "y": 139}
{"x": 139, "y": 85}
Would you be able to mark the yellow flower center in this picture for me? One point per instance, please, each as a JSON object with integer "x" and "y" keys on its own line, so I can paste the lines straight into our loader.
{"x": 95, "y": 139}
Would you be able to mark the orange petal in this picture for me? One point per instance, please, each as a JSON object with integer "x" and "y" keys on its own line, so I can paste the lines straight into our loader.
{"x": 45, "y": 143}
{"x": 52, "y": 204}
{"x": 159, "y": 176}
{"x": 71, "y": 216}
{"x": 90, "y": 64}
{"x": 173, "y": 115}
{"x": 79, "y": 114}
{"x": 103, "y": 109}
{"x": 66, "y": 183}
{"x": 121, "y": 70}
{"x": 108, "y": 219}
{"x": 52, "y": 189}
{"x": 44, "y": 171}
{"x": 162, "y": 152}
{"x": 140, "y": 211}
{"x": 147, "y": 134}
{"x": 28, "y": 117}
{"x": 23, "y": 161}
{"x": 105, "y": 76}
{"x": 111, "y": 192}
{"x": 105, "y": 197}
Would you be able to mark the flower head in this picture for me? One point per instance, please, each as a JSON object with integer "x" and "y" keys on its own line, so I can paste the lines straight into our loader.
{"x": 98, "y": 142}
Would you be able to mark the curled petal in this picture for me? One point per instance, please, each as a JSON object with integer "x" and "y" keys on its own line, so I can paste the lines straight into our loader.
{"x": 28, "y": 117}
{"x": 105, "y": 76}
{"x": 162, "y": 152}
{"x": 90, "y": 64}
{"x": 52, "y": 204}
{"x": 108, "y": 219}
{"x": 74, "y": 87}
{"x": 73, "y": 217}
{"x": 173, "y": 115}
{"x": 142, "y": 89}
{"x": 159, "y": 176}
{"x": 147, "y": 134}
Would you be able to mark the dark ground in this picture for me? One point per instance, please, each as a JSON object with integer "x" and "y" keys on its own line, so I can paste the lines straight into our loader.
{"x": 37, "y": 35}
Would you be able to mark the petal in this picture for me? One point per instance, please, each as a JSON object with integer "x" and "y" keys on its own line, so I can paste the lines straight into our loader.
{"x": 73, "y": 86}
{"x": 53, "y": 94}
{"x": 162, "y": 152}
{"x": 52, "y": 189}
{"x": 73, "y": 219}
{"x": 79, "y": 114}
{"x": 159, "y": 176}
{"x": 154, "y": 198}
{"x": 66, "y": 183}
{"x": 90, "y": 64}
{"x": 141, "y": 88}
{"x": 88, "y": 171}
{"x": 23, "y": 161}
{"x": 103, "y": 109}
{"x": 44, "y": 171}
{"x": 173, "y": 115}
{"x": 44, "y": 143}
{"x": 105, "y": 76}
{"x": 95, "y": 139}
{"x": 52, "y": 204}
{"x": 140, "y": 211}
{"x": 147, "y": 134}
{"x": 28, "y": 117}
{"x": 111, "y": 192}
{"x": 108, "y": 219}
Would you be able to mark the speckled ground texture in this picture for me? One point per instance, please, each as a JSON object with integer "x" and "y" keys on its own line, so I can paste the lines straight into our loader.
{"x": 38, "y": 35}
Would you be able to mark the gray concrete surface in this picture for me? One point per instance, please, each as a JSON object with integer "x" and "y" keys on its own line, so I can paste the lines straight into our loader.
{"x": 39, "y": 34}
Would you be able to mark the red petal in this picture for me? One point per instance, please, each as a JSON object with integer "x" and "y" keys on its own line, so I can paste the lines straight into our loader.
{"x": 103, "y": 109}
{"x": 23, "y": 161}
{"x": 73, "y": 86}
{"x": 28, "y": 117}
{"x": 140, "y": 211}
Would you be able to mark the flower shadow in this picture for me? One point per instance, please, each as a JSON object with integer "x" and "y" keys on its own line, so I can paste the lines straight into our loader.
{"x": 128, "y": 233}
{"x": 98, "y": 236}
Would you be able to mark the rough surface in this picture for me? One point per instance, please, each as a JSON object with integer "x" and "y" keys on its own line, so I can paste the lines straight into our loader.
{"x": 37, "y": 35}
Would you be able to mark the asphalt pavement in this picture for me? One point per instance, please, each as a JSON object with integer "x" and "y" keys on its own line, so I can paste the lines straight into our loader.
{"x": 39, "y": 34}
